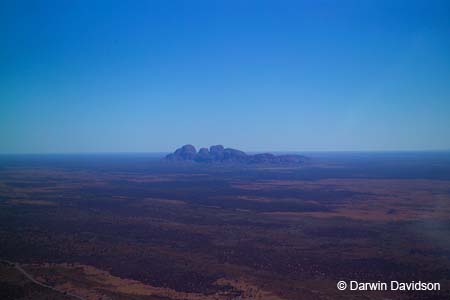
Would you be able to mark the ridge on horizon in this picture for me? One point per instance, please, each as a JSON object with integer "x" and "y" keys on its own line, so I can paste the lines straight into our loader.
{"x": 220, "y": 154}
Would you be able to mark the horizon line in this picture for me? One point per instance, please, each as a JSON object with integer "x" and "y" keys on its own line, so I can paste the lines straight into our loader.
{"x": 252, "y": 151}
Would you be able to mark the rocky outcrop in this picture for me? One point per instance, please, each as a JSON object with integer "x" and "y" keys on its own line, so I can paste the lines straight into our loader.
{"x": 219, "y": 154}
{"x": 187, "y": 152}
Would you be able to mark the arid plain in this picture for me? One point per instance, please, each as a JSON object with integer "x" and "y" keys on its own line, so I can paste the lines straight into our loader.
{"x": 133, "y": 227}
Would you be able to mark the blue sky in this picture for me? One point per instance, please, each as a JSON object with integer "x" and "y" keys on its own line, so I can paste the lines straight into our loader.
{"x": 125, "y": 76}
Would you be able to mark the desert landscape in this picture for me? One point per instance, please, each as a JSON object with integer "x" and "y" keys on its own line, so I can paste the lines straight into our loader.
{"x": 139, "y": 227}
{"x": 225, "y": 150}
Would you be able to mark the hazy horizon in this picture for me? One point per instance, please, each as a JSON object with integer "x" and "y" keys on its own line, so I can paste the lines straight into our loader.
{"x": 150, "y": 76}
{"x": 247, "y": 151}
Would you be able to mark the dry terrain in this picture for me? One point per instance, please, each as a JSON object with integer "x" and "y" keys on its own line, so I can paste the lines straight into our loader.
{"x": 135, "y": 228}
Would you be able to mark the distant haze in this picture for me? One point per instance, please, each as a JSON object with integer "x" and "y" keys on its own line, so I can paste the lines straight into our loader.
{"x": 149, "y": 76}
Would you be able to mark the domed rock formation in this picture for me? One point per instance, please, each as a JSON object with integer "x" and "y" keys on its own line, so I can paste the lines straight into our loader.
{"x": 219, "y": 154}
{"x": 187, "y": 152}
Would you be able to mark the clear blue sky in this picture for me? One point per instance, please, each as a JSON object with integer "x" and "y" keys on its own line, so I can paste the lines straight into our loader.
{"x": 113, "y": 76}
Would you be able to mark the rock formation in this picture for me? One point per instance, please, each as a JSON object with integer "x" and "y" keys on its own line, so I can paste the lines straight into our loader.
{"x": 219, "y": 154}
